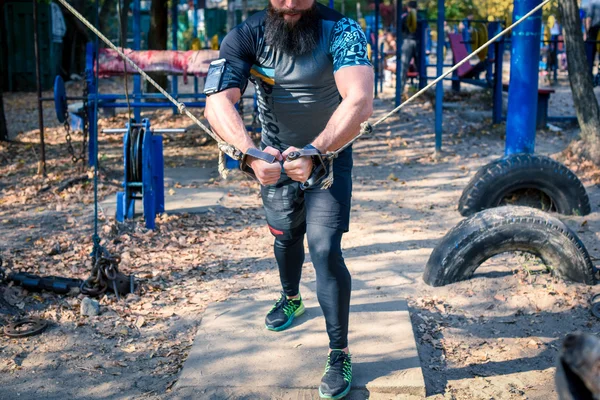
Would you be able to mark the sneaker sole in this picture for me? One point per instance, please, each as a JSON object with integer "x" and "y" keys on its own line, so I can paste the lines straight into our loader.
{"x": 339, "y": 396}
{"x": 297, "y": 313}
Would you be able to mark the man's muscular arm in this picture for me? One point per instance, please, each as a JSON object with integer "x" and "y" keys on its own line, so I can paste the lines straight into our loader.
{"x": 355, "y": 85}
{"x": 224, "y": 119}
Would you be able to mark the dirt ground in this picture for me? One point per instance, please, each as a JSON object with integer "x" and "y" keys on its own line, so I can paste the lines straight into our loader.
{"x": 494, "y": 336}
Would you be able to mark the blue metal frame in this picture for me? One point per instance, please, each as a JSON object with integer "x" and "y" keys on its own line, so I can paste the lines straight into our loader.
{"x": 152, "y": 185}
{"x": 523, "y": 89}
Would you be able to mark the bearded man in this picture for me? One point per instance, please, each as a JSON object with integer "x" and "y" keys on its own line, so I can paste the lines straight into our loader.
{"x": 315, "y": 87}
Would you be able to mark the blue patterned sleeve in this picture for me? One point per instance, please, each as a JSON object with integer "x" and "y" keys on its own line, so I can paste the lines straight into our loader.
{"x": 348, "y": 45}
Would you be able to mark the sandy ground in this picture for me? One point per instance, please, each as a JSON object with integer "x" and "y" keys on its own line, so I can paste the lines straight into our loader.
{"x": 494, "y": 336}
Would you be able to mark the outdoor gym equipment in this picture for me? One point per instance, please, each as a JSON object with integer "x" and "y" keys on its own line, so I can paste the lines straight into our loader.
{"x": 143, "y": 177}
{"x": 497, "y": 230}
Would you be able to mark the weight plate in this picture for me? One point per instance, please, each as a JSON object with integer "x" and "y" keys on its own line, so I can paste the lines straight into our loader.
{"x": 482, "y": 38}
{"x": 60, "y": 99}
{"x": 37, "y": 326}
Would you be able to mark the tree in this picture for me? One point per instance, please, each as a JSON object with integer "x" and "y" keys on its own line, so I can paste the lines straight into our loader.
{"x": 157, "y": 35}
{"x": 586, "y": 105}
{"x": 3, "y": 127}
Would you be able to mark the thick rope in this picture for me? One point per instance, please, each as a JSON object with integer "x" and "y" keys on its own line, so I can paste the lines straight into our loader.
{"x": 368, "y": 129}
{"x": 223, "y": 146}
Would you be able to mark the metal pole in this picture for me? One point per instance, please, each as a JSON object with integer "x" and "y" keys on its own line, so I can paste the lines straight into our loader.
{"x": 38, "y": 75}
{"x": 331, "y": 4}
{"x": 174, "y": 28}
{"x": 137, "y": 42}
{"x": 399, "y": 41}
{"x": 376, "y": 47}
{"x": 439, "y": 88}
{"x": 195, "y": 36}
{"x": 522, "y": 93}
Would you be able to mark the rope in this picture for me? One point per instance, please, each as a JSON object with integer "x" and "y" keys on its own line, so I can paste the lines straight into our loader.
{"x": 223, "y": 146}
{"x": 367, "y": 128}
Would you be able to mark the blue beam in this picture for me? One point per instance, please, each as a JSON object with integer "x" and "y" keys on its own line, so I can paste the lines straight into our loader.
{"x": 376, "y": 46}
{"x": 398, "y": 52}
{"x": 522, "y": 92}
{"x": 137, "y": 41}
{"x": 439, "y": 87}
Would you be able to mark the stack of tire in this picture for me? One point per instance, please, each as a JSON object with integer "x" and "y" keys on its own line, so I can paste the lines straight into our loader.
{"x": 494, "y": 226}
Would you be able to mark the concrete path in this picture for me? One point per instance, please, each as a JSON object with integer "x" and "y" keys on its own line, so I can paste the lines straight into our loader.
{"x": 181, "y": 200}
{"x": 235, "y": 356}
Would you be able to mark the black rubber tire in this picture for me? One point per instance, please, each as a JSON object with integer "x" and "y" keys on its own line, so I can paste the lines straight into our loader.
{"x": 497, "y": 179}
{"x": 510, "y": 228}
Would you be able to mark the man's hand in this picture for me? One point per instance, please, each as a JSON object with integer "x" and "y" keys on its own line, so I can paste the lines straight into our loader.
{"x": 267, "y": 174}
{"x": 298, "y": 170}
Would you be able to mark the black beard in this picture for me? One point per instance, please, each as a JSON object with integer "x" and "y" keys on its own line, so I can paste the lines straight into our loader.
{"x": 294, "y": 38}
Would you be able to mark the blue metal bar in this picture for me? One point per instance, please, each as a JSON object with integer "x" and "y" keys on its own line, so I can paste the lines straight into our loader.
{"x": 331, "y": 5}
{"x": 399, "y": 41}
{"x": 150, "y": 105}
{"x": 439, "y": 88}
{"x": 195, "y": 36}
{"x": 137, "y": 42}
{"x": 381, "y": 67}
{"x": 376, "y": 47}
{"x": 91, "y": 109}
{"x": 174, "y": 29}
{"x": 523, "y": 89}
{"x": 422, "y": 35}
{"x": 111, "y": 96}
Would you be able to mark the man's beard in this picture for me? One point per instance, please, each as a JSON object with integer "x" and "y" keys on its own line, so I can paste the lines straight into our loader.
{"x": 293, "y": 38}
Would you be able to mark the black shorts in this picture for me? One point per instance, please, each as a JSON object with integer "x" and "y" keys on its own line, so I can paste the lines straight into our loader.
{"x": 288, "y": 208}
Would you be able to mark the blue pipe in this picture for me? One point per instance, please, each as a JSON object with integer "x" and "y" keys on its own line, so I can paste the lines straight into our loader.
{"x": 195, "y": 36}
{"x": 398, "y": 52}
{"x": 111, "y": 96}
{"x": 522, "y": 92}
{"x": 137, "y": 41}
{"x": 174, "y": 29}
{"x": 376, "y": 47}
{"x": 439, "y": 87}
{"x": 150, "y": 105}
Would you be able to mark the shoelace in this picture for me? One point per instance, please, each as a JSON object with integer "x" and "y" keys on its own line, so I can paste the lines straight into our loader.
{"x": 340, "y": 363}
{"x": 285, "y": 304}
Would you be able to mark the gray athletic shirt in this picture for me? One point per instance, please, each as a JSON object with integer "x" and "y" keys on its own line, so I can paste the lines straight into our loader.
{"x": 296, "y": 94}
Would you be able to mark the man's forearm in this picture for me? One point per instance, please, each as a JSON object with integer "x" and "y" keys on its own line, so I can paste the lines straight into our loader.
{"x": 225, "y": 120}
{"x": 344, "y": 124}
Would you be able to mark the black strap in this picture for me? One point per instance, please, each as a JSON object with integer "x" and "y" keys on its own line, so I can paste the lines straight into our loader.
{"x": 261, "y": 155}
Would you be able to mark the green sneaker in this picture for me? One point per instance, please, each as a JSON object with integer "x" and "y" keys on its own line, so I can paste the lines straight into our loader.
{"x": 283, "y": 313}
{"x": 337, "y": 379}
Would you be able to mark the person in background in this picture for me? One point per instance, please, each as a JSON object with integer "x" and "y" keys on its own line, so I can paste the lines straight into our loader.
{"x": 409, "y": 43}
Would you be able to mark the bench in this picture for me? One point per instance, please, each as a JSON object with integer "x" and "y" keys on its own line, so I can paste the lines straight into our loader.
{"x": 542, "y": 105}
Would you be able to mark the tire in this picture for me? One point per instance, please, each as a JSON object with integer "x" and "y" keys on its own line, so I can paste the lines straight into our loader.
{"x": 496, "y": 180}
{"x": 503, "y": 229}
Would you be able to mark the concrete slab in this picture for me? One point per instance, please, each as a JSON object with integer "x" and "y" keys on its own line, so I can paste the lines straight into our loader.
{"x": 234, "y": 356}
{"x": 180, "y": 200}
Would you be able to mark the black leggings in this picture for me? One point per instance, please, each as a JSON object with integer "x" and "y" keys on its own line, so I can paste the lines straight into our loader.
{"x": 333, "y": 279}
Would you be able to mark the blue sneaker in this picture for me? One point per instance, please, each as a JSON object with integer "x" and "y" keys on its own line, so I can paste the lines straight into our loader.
{"x": 337, "y": 379}
{"x": 283, "y": 313}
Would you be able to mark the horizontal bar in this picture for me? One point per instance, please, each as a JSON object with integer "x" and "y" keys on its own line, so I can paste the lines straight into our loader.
{"x": 157, "y": 130}
{"x": 150, "y": 105}
{"x": 135, "y": 184}
{"x": 115, "y": 96}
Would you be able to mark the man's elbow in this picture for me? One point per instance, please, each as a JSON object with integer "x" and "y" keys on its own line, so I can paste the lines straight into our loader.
{"x": 366, "y": 107}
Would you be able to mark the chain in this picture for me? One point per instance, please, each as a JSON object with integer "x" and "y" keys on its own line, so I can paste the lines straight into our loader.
{"x": 86, "y": 128}
{"x": 67, "y": 126}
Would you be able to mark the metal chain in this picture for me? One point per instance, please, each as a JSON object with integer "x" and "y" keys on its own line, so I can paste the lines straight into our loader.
{"x": 67, "y": 126}
{"x": 86, "y": 125}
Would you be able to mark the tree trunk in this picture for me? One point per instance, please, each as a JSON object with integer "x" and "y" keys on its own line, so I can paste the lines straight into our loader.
{"x": 157, "y": 36}
{"x": 3, "y": 127}
{"x": 107, "y": 14}
{"x": 586, "y": 105}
